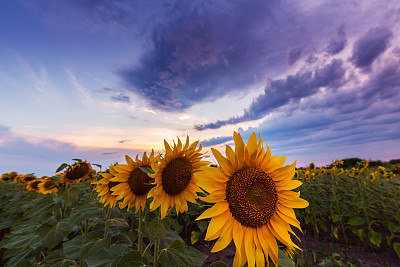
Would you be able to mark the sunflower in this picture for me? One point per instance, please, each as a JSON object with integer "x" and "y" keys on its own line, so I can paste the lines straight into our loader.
{"x": 78, "y": 172}
{"x": 33, "y": 185}
{"x": 103, "y": 188}
{"x": 47, "y": 186}
{"x": 176, "y": 177}
{"x": 254, "y": 204}
{"x": 23, "y": 179}
{"x": 8, "y": 176}
{"x": 133, "y": 184}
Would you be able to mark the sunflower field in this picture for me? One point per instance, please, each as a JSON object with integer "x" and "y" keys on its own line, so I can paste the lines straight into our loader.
{"x": 154, "y": 210}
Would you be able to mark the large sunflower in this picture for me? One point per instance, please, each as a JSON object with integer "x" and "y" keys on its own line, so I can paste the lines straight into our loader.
{"x": 78, "y": 172}
{"x": 254, "y": 201}
{"x": 104, "y": 188}
{"x": 8, "y": 176}
{"x": 176, "y": 177}
{"x": 133, "y": 183}
{"x": 47, "y": 187}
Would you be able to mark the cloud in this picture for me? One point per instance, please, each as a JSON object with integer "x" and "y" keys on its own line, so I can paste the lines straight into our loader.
{"x": 338, "y": 43}
{"x": 279, "y": 93}
{"x": 216, "y": 141}
{"x": 208, "y": 50}
{"x": 121, "y": 98}
{"x": 293, "y": 55}
{"x": 43, "y": 157}
{"x": 372, "y": 44}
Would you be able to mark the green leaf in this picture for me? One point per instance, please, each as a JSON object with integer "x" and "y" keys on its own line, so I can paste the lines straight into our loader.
{"x": 62, "y": 167}
{"x": 396, "y": 247}
{"x": 68, "y": 194}
{"x": 336, "y": 218}
{"x": 198, "y": 257}
{"x": 176, "y": 255}
{"x": 98, "y": 165}
{"x": 72, "y": 248}
{"x": 218, "y": 264}
{"x": 194, "y": 237}
{"x": 51, "y": 235}
{"x": 156, "y": 226}
{"x": 355, "y": 220}
{"x": 147, "y": 170}
{"x": 93, "y": 244}
{"x": 284, "y": 260}
{"x": 133, "y": 258}
{"x": 117, "y": 222}
{"x": 19, "y": 241}
{"x": 77, "y": 160}
{"x": 106, "y": 257}
{"x": 375, "y": 238}
{"x": 322, "y": 224}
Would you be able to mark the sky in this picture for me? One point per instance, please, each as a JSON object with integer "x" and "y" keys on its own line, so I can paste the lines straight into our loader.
{"x": 98, "y": 80}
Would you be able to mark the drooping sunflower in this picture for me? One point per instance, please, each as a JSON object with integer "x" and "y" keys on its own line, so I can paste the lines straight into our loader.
{"x": 254, "y": 201}
{"x": 103, "y": 188}
{"x": 47, "y": 186}
{"x": 176, "y": 177}
{"x": 33, "y": 185}
{"x": 133, "y": 184}
{"x": 78, "y": 172}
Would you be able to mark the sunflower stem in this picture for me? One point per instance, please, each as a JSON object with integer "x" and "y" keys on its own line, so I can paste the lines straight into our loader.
{"x": 107, "y": 217}
{"x": 156, "y": 252}
{"x": 140, "y": 244}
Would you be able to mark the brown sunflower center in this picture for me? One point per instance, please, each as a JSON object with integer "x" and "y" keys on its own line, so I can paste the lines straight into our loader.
{"x": 35, "y": 184}
{"x": 252, "y": 196}
{"x": 139, "y": 182}
{"x": 29, "y": 178}
{"x": 176, "y": 176}
{"x": 77, "y": 172}
{"x": 48, "y": 184}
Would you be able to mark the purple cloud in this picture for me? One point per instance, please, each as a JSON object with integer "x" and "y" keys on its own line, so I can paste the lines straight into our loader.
{"x": 279, "y": 93}
{"x": 215, "y": 141}
{"x": 121, "y": 98}
{"x": 293, "y": 55}
{"x": 372, "y": 44}
{"x": 338, "y": 43}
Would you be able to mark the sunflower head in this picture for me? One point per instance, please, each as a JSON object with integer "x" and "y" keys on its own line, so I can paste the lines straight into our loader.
{"x": 78, "y": 172}
{"x": 33, "y": 185}
{"x": 27, "y": 178}
{"x": 104, "y": 188}
{"x": 48, "y": 186}
{"x": 131, "y": 183}
{"x": 8, "y": 176}
{"x": 176, "y": 177}
{"x": 254, "y": 201}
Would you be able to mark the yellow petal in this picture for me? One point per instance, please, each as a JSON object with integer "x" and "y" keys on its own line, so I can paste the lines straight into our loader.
{"x": 225, "y": 164}
{"x": 252, "y": 144}
{"x": 249, "y": 247}
{"x": 287, "y": 184}
{"x": 216, "y": 224}
{"x": 297, "y": 203}
{"x": 260, "y": 261}
{"x": 225, "y": 238}
{"x": 274, "y": 163}
{"x": 214, "y": 211}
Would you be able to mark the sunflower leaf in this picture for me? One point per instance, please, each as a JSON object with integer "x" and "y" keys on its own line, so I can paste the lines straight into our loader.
{"x": 147, "y": 170}
{"x": 198, "y": 257}
{"x": 62, "y": 167}
{"x": 133, "y": 258}
{"x": 157, "y": 227}
{"x": 375, "y": 238}
{"x": 284, "y": 260}
{"x": 176, "y": 255}
{"x": 117, "y": 222}
{"x": 396, "y": 247}
{"x": 77, "y": 160}
{"x": 107, "y": 256}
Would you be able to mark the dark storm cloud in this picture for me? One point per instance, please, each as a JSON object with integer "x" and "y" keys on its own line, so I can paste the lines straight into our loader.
{"x": 216, "y": 140}
{"x": 372, "y": 44}
{"x": 280, "y": 92}
{"x": 338, "y": 43}
{"x": 209, "y": 49}
{"x": 121, "y": 98}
